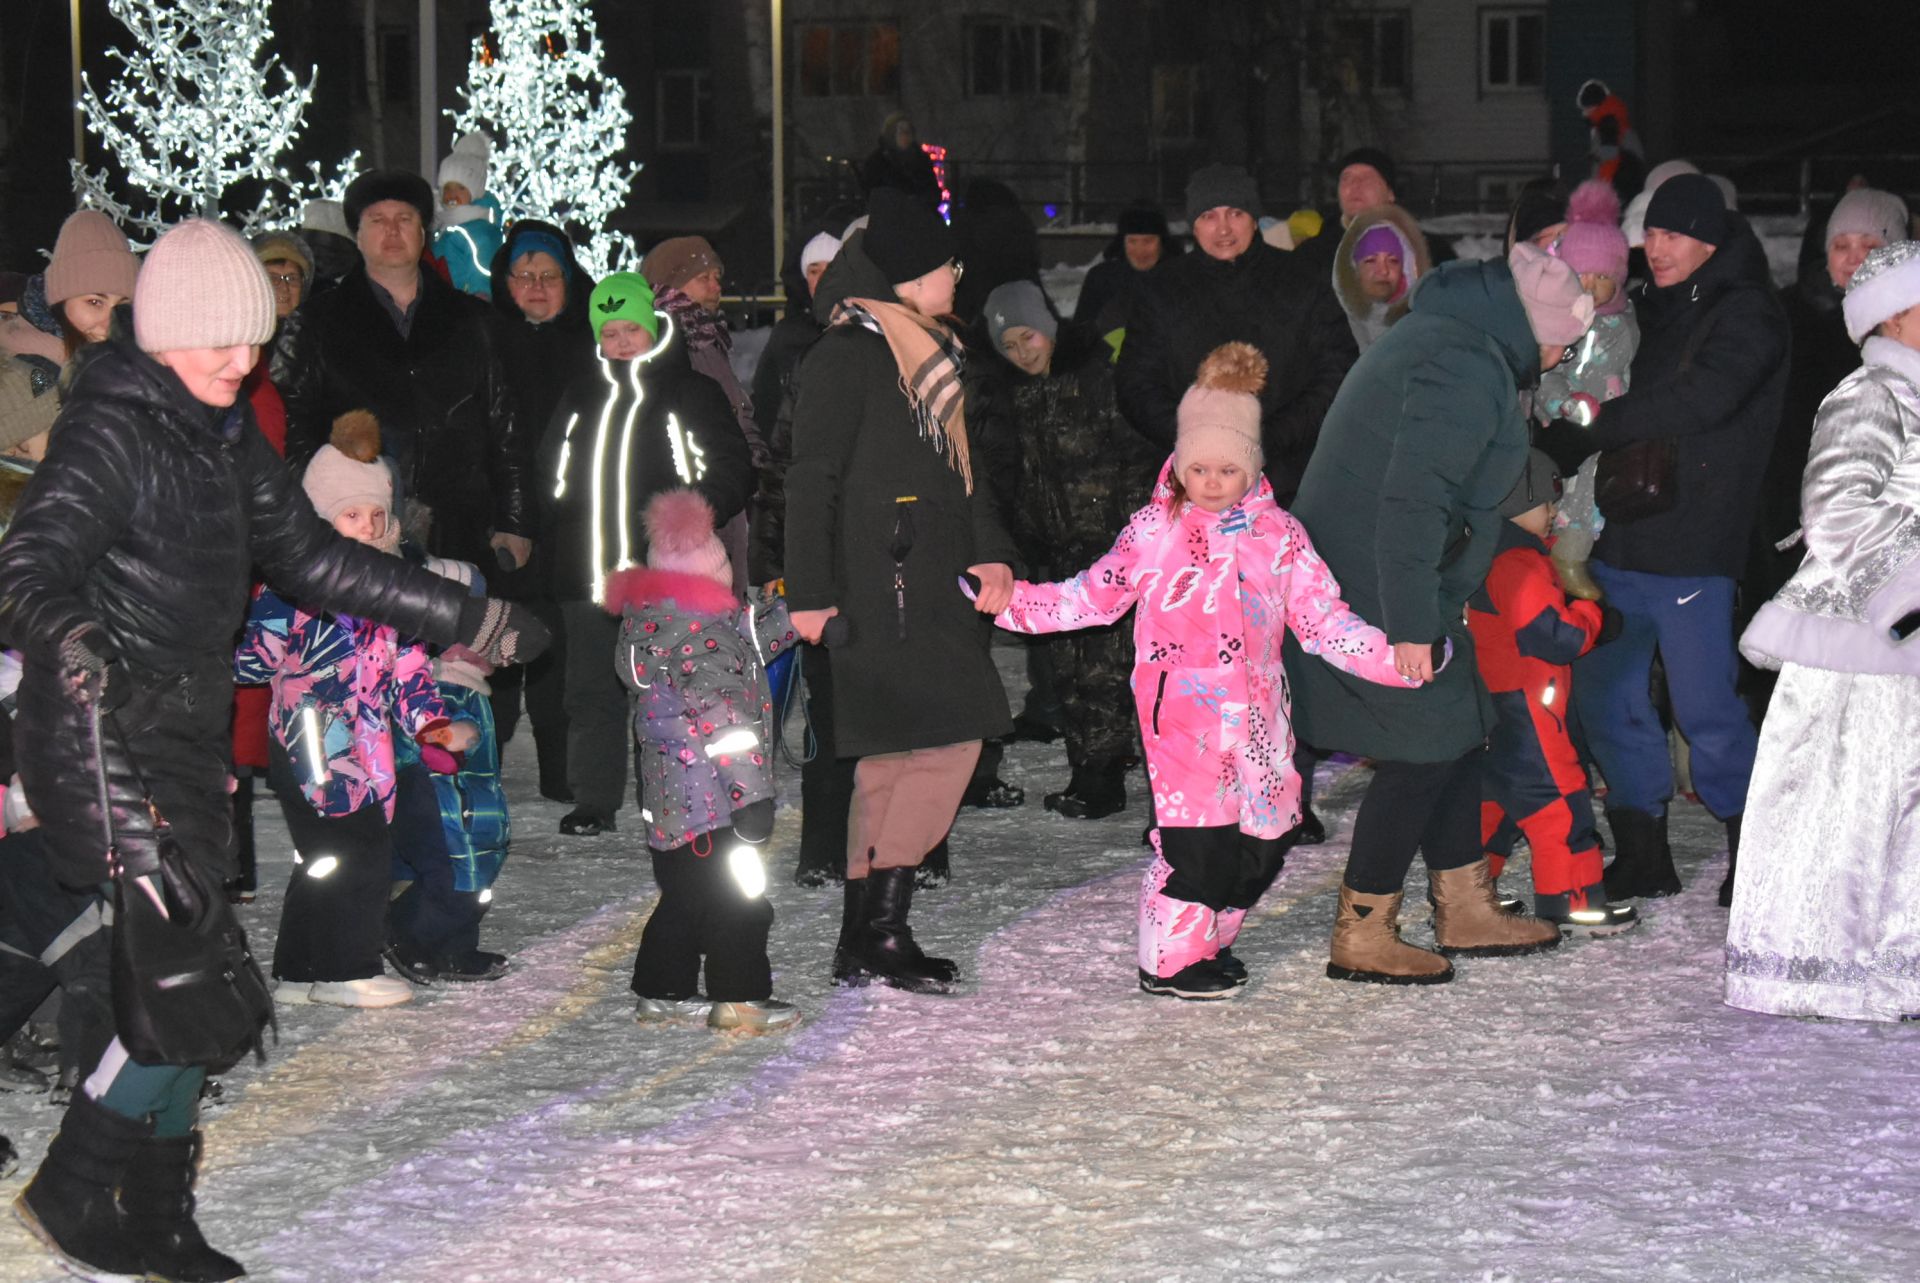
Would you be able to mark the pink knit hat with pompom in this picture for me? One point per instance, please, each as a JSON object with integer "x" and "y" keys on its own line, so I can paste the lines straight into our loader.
{"x": 680, "y": 537}
{"x": 1558, "y": 310}
{"x": 1593, "y": 241}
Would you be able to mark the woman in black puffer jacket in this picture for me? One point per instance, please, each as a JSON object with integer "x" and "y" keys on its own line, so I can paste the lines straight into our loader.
{"x": 122, "y": 580}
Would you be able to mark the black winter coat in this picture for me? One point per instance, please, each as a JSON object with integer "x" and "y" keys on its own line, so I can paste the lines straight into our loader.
{"x": 1710, "y": 374}
{"x": 1077, "y": 470}
{"x": 682, "y": 433}
{"x": 858, "y": 464}
{"x": 774, "y": 385}
{"x": 446, "y": 415}
{"x": 1266, "y": 297}
{"x": 144, "y": 520}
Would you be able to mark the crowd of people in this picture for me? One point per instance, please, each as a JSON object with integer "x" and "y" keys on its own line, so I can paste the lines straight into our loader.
{"x": 334, "y": 509}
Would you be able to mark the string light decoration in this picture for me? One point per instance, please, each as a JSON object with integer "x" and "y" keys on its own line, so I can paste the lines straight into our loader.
{"x": 559, "y": 126}
{"x": 199, "y": 122}
{"x": 938, "y": 155}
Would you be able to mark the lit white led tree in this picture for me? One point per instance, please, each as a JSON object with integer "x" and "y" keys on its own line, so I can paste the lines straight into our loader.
{"x": 558, "y": 124}
{"x": 199, "y": 120}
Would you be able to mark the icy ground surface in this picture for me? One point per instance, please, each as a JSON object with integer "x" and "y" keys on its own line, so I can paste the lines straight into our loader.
{"x": 1595, "y": 1113}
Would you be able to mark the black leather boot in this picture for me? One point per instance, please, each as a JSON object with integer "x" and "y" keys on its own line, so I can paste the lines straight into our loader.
{"x": 887, "y": 946}
{"x": 847, "y": 967}
{"x": 156, "y": 1199}
{"x": 1733, "y": 859}
{"x": 1098, "y": 789}
{"x": 70, "y": 1205}
{"x": 1642, "y": 861}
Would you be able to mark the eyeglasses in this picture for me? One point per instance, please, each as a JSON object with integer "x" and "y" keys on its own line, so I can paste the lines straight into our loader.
{"x": 530, "y": 279}
{"x": 959, "y": 269}
{"x": 292, "y": 280}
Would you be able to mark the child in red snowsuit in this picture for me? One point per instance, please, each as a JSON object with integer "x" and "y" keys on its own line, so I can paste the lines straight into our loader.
{"x": 1526, "y": 635}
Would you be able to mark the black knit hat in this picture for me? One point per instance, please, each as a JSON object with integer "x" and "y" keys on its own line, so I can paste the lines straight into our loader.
{"x": 1142, "y": 220}
{"x": 1216, "y": 186}
{"x": 1690, "y": 204}
{"x": 1373, "y": 157}
{"x": 905, "y": 238}
{"x": 1539, "y": 483}
{"x": 1541, "y": 204}
{"x": 377, "y": 185}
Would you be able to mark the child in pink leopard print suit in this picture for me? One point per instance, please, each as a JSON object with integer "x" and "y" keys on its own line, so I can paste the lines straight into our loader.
{"x": 1216, "y": 572}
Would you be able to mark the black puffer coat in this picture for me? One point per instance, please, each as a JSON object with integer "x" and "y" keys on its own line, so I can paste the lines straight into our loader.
{"x": 856, "y": 456}
{"x": 1267, "y": 297}
{"x": 774, "y": 384}
{"x": 1710, "y": 375}
{"x": 144, "y": 519}
{"x": 592, "y": 513}
{"x": 446, "y": 415}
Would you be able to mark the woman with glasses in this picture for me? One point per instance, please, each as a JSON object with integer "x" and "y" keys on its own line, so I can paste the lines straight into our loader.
{"x": 888, "y": 507}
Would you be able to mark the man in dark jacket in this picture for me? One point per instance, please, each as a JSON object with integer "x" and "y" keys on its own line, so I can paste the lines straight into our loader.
{"x": 1708, "y": 378}
{"x": 1238, "y": 288}
{"x": 395, "y": 339}
{"x": 639, "y": 421}
{"x": 546, "y": 343}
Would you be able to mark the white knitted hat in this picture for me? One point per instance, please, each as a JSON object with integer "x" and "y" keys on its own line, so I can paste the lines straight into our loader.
{"x": 466, "y": 164}
{"x": 1219, "y": 417}
{"x": 201, "y": 287}
{"x": 348, "y": 469}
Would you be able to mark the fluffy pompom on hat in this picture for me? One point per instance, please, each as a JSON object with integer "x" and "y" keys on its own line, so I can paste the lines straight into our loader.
{"x": 680, "y": 537}
{"x": 466, "y": 164}
{"x": 202, "y": 287}
{"x": 1219, "y": 417}
{"x": 1593, "y": 241}
{"x": 1558, "y": 310}
{"x": 348, "y": 469}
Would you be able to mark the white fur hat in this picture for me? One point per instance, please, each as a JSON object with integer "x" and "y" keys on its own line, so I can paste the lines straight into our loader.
{"x": 1887, "y": 284}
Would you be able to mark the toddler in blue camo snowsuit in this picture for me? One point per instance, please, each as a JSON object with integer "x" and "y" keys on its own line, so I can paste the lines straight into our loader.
{"x": 695, "y": 663}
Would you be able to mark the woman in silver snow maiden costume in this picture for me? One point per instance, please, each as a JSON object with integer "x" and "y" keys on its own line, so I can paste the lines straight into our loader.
{"x": 1826, "y": 912}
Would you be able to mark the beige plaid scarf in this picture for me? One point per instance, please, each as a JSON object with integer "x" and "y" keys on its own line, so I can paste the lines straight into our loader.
{"x": 930, "y": 358}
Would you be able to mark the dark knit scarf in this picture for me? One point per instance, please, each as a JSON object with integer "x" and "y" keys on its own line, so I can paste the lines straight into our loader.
{"x": 930, "y": 359}
{"x": 700, "y": 328}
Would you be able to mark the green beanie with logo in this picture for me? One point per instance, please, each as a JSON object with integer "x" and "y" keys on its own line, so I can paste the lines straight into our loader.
{"x": 623, "y": 296}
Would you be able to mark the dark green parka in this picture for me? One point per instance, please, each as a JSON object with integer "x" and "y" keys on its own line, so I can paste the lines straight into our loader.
{"x": 1402, "y": 499}
{"x": 858, "y": 461}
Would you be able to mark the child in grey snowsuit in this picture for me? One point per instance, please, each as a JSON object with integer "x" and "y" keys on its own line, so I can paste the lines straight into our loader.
{"x": 694, "y": 661}
{"x": 1572, "y": 392}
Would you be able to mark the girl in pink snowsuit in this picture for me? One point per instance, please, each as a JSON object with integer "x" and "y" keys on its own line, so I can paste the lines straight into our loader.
{"x": 1216, "y": 572}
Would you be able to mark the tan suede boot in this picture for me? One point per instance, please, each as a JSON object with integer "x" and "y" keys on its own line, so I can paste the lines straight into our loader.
{"x": 1468, "y": 919}
{"x": 1367, "y": 945}
{"x": 1576, "y": 580}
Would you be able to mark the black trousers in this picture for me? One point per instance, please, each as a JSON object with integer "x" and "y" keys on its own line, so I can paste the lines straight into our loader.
{"x": 702, "y": 912}
{"x": 542, "y": 688}
{"x": 1220, "y": 867}
{"x": 334, "y": 921}
{"x": 51, "y": 935}
{"x": 599, "y": 725}
{"x": 1429, "y": 808}
{"x": 826, "y": 781}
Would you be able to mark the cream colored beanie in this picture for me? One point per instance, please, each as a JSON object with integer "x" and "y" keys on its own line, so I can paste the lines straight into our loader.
{"x": 1219, "y": 417}
{"x": 201, "y": 287}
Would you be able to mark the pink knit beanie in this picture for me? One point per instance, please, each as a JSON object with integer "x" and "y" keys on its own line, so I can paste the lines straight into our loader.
{"x": 90, "y": 257}
{"x": 1558, "y": 310}
{"x": 1593, "y": 241}
{"x": 1219, "y": 417}
{"x": 202, "y": 287}
{"x": 680, "y": 537}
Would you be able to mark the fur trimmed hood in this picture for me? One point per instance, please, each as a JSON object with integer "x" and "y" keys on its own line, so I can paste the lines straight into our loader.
{"x": 1416, "y": 260}
{"x": 642, "y": 588}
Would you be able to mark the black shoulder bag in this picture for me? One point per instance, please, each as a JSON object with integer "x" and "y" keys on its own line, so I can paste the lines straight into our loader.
{"x": 186, "y": 988}
{"x": 1642, "y": 478}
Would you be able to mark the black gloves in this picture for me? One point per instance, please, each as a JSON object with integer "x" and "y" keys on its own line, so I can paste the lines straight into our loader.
{"x": 1611, "y": 622}
{"x": 91, "y": 671}
{"x": 1566, "y": 443}
{"x": 500, "y": 632}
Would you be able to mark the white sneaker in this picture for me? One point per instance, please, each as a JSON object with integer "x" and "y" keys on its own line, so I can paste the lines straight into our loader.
{"x": 763, "y": 1016}
{"x": 661, "y": 1010}
{"x": 293, "y": 993}
{"x": 373, "y": 991}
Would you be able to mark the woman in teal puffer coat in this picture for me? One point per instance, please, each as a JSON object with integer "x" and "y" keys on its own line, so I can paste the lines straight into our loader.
{"x": 1402, "y": 498}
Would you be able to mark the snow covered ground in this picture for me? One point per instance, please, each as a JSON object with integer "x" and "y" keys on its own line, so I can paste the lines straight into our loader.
{"x": 1595, "y": 1113}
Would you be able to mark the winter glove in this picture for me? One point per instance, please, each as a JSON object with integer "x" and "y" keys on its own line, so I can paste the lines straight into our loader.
{"x": 1611, "y": 622}
{"x": 440, "y": 761}
{"x": 91, "y": 671}
{"x": 501, "y": 632}
{"x": 1566, "y": 443}
{"x": 754, "y": 821}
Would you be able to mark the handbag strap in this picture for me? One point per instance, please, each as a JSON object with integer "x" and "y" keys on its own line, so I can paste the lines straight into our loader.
{"x": 160, "y": 826}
